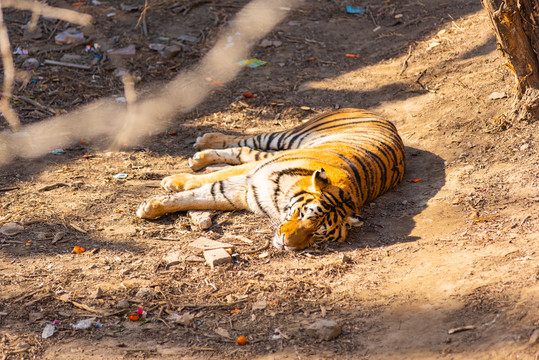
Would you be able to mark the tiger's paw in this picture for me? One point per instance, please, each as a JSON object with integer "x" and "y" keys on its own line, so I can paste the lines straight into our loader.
{"x": 180, "y": 182}
{"x": 200, "y": 160}
{"x": 211, "y": 141}
{"x": 152, "y": 208}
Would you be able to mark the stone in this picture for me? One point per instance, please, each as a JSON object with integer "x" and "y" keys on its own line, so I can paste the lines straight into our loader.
{"x": 201, "y": 219}
{"x": 324, "y": 329}
{"x": 497, "y": 95}
{"x": 11, "y": 229}
{"x": 98, "y": 292}
{"x": 217, "y": 257}
{"x": 260, "y": 305}
{"x": 35, "y": 316}
{"x": 534, "y": 338}
{"x": 123, "y": 304}
{"x": 203, "y": 244}
{"x": 145, "y": 292}
{"x": 171, "y": 51}
{"x": 185, "y": 319}
{"x": 30, "y": 64}
{"x": 173, "y": 258}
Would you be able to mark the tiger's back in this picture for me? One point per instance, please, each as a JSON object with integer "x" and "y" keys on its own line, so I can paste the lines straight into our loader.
{"x": 360, "y": 146}
{"x": 312, "y": 178}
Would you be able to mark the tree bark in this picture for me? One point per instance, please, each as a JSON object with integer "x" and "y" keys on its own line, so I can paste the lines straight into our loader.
{"x": 516, "y": 25}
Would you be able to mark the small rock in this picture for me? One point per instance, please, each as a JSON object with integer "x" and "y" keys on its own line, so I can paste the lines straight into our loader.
{"x": 260, "y": 305}
{"x": 122, "y": 304}
{"x": 534, "y": 338}
{"x": 171, "y": 51}
{"x": 33, "y": 35}
{"x": 223, "y": 332}
{"x": 35, "y": 316}
{"x": 203, "y": 243}
{"x": 70, "y": 36}
{"x": 30, "y": 64}
{"x": 98, "y": 292}
{"x": 201, "y": 219}
{"x": 145, "y": 292}
{"x": 187, "y": 38}
{"x": 173, "y": 258}
{"x": 216, "y": 257}
{"x": 185, "y": 319}
{"x": 324, "y": 329}
{"x": 71, "y": 58}
{"x": 125, "y": 51}
{"x": 524, "y": 147}
{"x": 11, "y": 229}
{"x": 156, "y": 47}
{"x": 497, "y": 95}
{"x": 345, "y": 259}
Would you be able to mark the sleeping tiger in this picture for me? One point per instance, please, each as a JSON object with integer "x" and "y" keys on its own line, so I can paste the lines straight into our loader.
{"x": 312, "y": 179}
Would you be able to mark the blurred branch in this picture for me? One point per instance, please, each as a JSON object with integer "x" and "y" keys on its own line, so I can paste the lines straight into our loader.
{"x": 48, "y": 11}
{"x": 9, "y": 75}
{"x": 38, "y": 9}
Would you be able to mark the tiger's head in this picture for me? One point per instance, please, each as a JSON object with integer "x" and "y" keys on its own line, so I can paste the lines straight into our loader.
{"x": 321, "y": 212}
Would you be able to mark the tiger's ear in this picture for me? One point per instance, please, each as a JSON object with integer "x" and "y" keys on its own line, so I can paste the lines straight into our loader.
{"x": 319, "y": 181}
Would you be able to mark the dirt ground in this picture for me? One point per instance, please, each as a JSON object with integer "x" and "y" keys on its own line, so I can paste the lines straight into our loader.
{"x": 455, "y": 246}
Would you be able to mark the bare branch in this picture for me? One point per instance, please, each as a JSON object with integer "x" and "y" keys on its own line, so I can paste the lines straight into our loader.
{"x": 9, "y": 76}
{"x": 48, "y": 11}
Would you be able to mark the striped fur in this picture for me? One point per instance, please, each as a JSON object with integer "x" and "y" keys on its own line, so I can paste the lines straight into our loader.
{"x": 311, "y": 179}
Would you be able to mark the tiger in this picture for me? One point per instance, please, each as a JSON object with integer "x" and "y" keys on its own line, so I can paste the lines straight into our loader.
{"x": 311, "y": 180}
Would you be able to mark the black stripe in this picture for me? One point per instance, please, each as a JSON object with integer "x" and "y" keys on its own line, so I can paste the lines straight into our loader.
{"x": 223, "y": 192}
{"x": 255, "y": 195}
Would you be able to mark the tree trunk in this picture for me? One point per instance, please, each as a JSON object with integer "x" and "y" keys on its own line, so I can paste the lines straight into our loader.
{"x": 516, "y": 24}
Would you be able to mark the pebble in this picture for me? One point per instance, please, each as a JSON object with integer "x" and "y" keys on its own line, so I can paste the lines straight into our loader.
{"x": 122, "y": 304}
{"x": 185, "y": 319}
{"x": 260, "y": 305}
{"x": 11, "y": 229}
{"x": 30, "y": 64}
{"x": 204, "y": 243}
{"x": 171, "y": 51}
{"x": 98, "y": 292}
{"x": 324, "y": 329}
{"x": 201, "y": 219}
{"x": 497, "y": 95}
{"x": 534, "y": 338}
{"x": 145, "y": 292}
{"x": 173, "y": 258}
{"x": 217, "y": 257}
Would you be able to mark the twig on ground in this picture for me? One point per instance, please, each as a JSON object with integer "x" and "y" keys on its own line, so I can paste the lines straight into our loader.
{"x": 405, "y": 62}
{"x": 79, "y": 305}
{"x": 263, "y": 247}
{"x": 53, "y": 186}
{"x": 66, "y": 64}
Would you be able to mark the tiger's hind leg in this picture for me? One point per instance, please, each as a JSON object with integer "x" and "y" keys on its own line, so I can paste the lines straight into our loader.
{"x": 232, "y": 156}
{"x": 217, "y": 141}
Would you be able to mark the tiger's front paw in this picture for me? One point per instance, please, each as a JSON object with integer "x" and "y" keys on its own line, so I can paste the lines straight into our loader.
{"x": 152, "y": 208}
{"x": 180, "y": 182}
{"x": 211, "y": 141}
